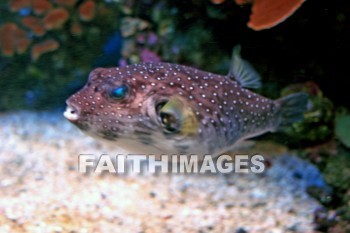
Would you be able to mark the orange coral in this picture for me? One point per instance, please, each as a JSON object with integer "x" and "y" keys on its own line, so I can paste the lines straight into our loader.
{"x": 87, "y": 10}
{"x": 13, "y": 39}
{"x": 76, "y": 29}
{"x": 6, "y": 40}
{"x": 269, "y": 13}
{"x": 48, "y": 45}
{"x": 49, "y": 15}
{"x": 56, "y": 18}
{"x": 34, "y": 24}
{"x": 41, "y": 6}
{"x": 16, "y": 5}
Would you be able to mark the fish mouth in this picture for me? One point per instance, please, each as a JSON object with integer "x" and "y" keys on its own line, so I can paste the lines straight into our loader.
{"x": 71, "y": 113}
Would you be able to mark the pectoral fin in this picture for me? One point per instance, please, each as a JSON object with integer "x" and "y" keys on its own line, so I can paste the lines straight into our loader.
{"x": 178, "y": 115}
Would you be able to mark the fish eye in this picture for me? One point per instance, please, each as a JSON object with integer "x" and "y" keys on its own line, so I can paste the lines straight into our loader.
{"x": 169, "y": 122}
{"x": 119, "y": 93}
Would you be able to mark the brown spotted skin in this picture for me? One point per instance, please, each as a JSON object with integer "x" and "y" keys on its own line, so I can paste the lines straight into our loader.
{"x": 226, "y": 112}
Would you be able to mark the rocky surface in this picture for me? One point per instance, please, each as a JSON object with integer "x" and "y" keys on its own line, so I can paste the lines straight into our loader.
{"x": 42, "y": 191}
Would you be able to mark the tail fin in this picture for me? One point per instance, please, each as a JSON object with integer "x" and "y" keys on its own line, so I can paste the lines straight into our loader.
{"x": 292, "y": 109}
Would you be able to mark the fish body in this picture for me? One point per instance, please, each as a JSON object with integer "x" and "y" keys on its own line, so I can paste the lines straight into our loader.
{"x": 164, "y": 108}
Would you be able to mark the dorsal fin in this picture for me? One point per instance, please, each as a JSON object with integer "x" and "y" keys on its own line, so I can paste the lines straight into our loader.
{"x": 242, "y": 71}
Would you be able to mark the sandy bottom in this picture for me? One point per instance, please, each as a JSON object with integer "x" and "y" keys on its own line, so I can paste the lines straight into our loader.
{"x": 42, "y": 191}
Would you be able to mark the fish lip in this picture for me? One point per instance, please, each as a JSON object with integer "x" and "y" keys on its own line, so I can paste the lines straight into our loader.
{"x": 72, "y": 113}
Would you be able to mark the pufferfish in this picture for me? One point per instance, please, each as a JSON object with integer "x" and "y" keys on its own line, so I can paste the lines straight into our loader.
{"x": 164, "y": 108}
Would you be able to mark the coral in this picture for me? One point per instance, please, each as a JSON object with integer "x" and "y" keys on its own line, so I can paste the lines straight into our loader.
{"x": 337, "y": 172}
{"x": 318, "y": 123}
{"x": 34, "y": 24}
{"x": 43, "y": 16}
{"x": 342, "y": 129}
{"x": 139, "y": 42}
{"x": 56, "y": 18}
{"x": 132, "y": 25}
{"x": 46, "y": 46}
{"x": 87, "y": 10}
{"x": 268, "y": 13}
{"x": 147, "y": 55}
{"x": 76, "y": 29}
{"x": 13, "y": 40}
{"x": 41, "y": 6}
{"x": 16, "y": 5}
{"x": 42, "y": 71}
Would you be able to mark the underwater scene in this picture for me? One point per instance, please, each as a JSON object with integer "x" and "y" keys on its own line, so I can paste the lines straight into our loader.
{"x": 150, "y": 116}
